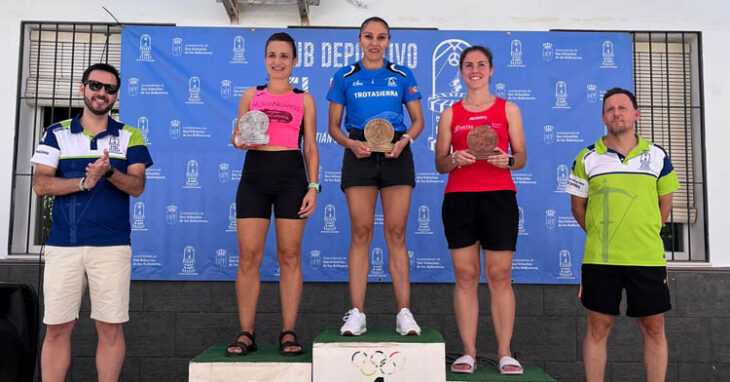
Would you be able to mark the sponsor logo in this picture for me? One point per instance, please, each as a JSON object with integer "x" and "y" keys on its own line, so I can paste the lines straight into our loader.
{"x": 645, "y": 161}
{"x": 143, "y": 125}
{"x": 221, "y": 258}
{"x": 194, "y": 90}
{"x": 547, "y": 51}
{"x": 330, "y": 219}
{"x": 424, "y": 221}
{"x": 548, "y": 134}
{"x": 412, "y": 259}
{"x": 551, "y": 219}
{"x": 562, "y": 173}
{"x": 133, "y": 87}
{"x": 515, "y": 53}
{"x": 521, "y": 230}
{"x": 224, "y": 172}
{"x": 138, "y": 217}
{"x": 175, "y": 129}
{"x": 607, "y": 54}
{"x": 226, "y": 90}
{"x": 391, "y": 82}
{"x": 171, "y": 214}
{"x": 232, "y": 217}
{"x": 239, "y": 50}
{"x": 377, "y": 260}
{"x": 565, "y": 264}
{"x": 177, "y": 46}
{"x": 561, "y": 95}
{"x": 114, "y": 145}
{"x": 145, "y": 48}
{"x": 500, "y": 90}
{"x": 315, "y": 259}
{"x": 191, "y": 174}
{"x": 592, "y": 93}
{"x": 188, "y": 261}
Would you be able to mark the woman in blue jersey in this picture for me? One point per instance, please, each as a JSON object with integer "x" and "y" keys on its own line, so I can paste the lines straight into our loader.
{"x": 369, "y": 89}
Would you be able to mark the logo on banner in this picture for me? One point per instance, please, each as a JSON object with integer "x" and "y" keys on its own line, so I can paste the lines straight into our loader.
{"x": 607, "y": 54}
{"x": 224, "y": 173}
{"x": 551, "y": 219}
{"x": 547, "y": 51}
{"x": 177, "y": 46}
{"x": 562, "y": 172}
{"x": 221, "y": 257}
{"x": 592, "y": 93}
{"x": 194, "y": 90}
{"x": 133, "y": 87}
{"x": 226, "y": 91}
{"x": 145, "y": 48}
{"x": 175, "y": 129}
{"x": 114, "y": 145}
{"x": 424, "y": 221}
{"x": 561, "y": 94}
{"x": 645, "y": 161}
{"x": 239, "y": 48}
{"x": 232, "y": 217}
{"x": 500, "y": 90}
{"x": 521, "y": 230}
{"x": 315, "y": 259}
{"x": 191, "y": 174}
{"x": 412, "y": 259}
{"x": 138, "y": 216}
{"x": 171, "y": 214}
{"x": 188, "y": 261}
{"x": 446, "y": 85}
{"x": 515, "y": 53}
{"x": 548, "y": 134}
{"x": 143, "y": 125}
{"x": 377, "y": 260}
{"x": 565, "y": 264}
{"x": 330, "y": 219}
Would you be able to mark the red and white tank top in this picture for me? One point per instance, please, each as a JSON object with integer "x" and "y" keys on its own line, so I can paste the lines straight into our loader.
{"x": 480, "y": 176}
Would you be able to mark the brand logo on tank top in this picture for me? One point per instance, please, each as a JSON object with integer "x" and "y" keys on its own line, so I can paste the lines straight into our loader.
{"x": 478, "y": 117}
{"x": 357, "y": 83}
{"x": 463, "y": 127}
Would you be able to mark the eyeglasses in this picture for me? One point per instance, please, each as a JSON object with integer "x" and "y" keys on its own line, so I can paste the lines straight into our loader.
{"x": 96, "y": 86}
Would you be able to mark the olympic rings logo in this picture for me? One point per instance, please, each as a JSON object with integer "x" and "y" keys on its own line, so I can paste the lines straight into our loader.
{"x": 377, "y": 361}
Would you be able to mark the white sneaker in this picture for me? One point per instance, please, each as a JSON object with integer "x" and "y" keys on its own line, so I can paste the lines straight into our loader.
{"x": 405, "y": 324}
{"x": 355, "y": 323}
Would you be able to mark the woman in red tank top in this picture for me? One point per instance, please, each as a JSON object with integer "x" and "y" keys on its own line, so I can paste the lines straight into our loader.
{"x": 480, "y": 206}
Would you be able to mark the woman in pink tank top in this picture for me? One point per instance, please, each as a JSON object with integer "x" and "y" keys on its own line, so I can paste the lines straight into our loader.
{"x": 274, "y": 175}
{"x": 480, "y": 206}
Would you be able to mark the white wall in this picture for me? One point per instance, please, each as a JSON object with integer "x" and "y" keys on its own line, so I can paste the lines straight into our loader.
{"x": 711, "y": 17}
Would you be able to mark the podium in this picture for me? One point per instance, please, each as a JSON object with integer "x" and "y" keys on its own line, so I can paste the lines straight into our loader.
{"x": 380, "y": 355}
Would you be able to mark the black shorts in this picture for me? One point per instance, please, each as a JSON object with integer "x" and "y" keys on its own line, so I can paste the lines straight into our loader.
{"x": 490, "y": 217}
{"x": 647, "y": 292}
{"x": 377, "y": 170}
{"x": 271, "y": 177}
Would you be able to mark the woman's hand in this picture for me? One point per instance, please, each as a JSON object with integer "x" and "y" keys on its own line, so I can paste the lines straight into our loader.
{"x": 463, "y": 158}
{"x": 308, "y": 203}
{"x": 359, "y": 148}
{"x": 501, "y": 159}
{"x": 398, "y": 148}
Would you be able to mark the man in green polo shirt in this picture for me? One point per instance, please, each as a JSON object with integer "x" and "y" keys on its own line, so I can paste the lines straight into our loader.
{"x": 621, "y": 194}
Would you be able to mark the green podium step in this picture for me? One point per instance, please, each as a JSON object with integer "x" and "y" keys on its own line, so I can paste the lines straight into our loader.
{"x": 491, "y": 373}
{"x": 265, "y": 364}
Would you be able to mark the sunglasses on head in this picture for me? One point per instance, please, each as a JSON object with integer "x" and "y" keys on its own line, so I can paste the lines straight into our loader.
{"x": 96, "y": 86}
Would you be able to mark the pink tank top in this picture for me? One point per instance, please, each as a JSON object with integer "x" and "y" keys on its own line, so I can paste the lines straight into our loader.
{"x": 480, "y": 176}
{"x": 285, "y": 112}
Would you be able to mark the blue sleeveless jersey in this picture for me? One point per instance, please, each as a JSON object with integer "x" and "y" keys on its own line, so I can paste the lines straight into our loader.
{"x": 368, "y": 94}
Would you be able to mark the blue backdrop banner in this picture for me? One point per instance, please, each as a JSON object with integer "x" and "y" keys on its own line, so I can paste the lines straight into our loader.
{"x": 181, "y": 88}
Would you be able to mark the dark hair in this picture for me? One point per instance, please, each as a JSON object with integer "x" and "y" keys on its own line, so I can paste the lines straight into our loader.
{"x": 281, "y": 36}
{"x": 615, "y": 91}
{"x": 377, "y": 19}
{"x": 475, "y": 48}
{"x": 104, "y": 68}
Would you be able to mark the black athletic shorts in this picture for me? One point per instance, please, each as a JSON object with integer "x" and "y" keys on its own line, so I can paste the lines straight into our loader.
{"x": 271, "y": 177}
{"x": 377, "y": 170}
{"x": 490, "y": 217}
{"x": 647, "y": 292}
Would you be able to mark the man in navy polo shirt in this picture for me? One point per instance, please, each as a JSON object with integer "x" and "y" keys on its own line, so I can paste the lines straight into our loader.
{"x": 91, "y": 165}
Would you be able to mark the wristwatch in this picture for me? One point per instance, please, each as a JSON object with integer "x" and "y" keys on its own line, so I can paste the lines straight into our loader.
{"x": 81, "y": 184}
{"x": 109, "y": 173}
{"x": 510, "y": 161}
{"x": 316, "y": 186}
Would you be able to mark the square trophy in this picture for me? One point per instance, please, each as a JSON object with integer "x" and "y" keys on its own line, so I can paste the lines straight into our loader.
{"x": 252, "y": 127}
{"x": 482, "y": 142}
{"x": 379, "y": 135}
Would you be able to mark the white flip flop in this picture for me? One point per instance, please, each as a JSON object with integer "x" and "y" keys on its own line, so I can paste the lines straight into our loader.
{"x": 464, "y": 360}
{"x": 509, "y": 361}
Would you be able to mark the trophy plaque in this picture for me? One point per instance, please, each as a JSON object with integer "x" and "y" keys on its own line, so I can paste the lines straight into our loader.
{"x": 252, "y": 127}
{"x": 482, "y": 142}
{"x": 379, "y": 135}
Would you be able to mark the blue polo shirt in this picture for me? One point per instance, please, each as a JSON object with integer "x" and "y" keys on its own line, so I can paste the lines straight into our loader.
{"x": 100, "y": 216}
{"x": 369, "y": 94}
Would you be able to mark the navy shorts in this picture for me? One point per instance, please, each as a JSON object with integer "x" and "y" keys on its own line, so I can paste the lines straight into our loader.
{"x": 490, "y": 217}
{"x": 271, "y": 178}
{"x": 377, "y": 170}
{"x": 647, "y": 291}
